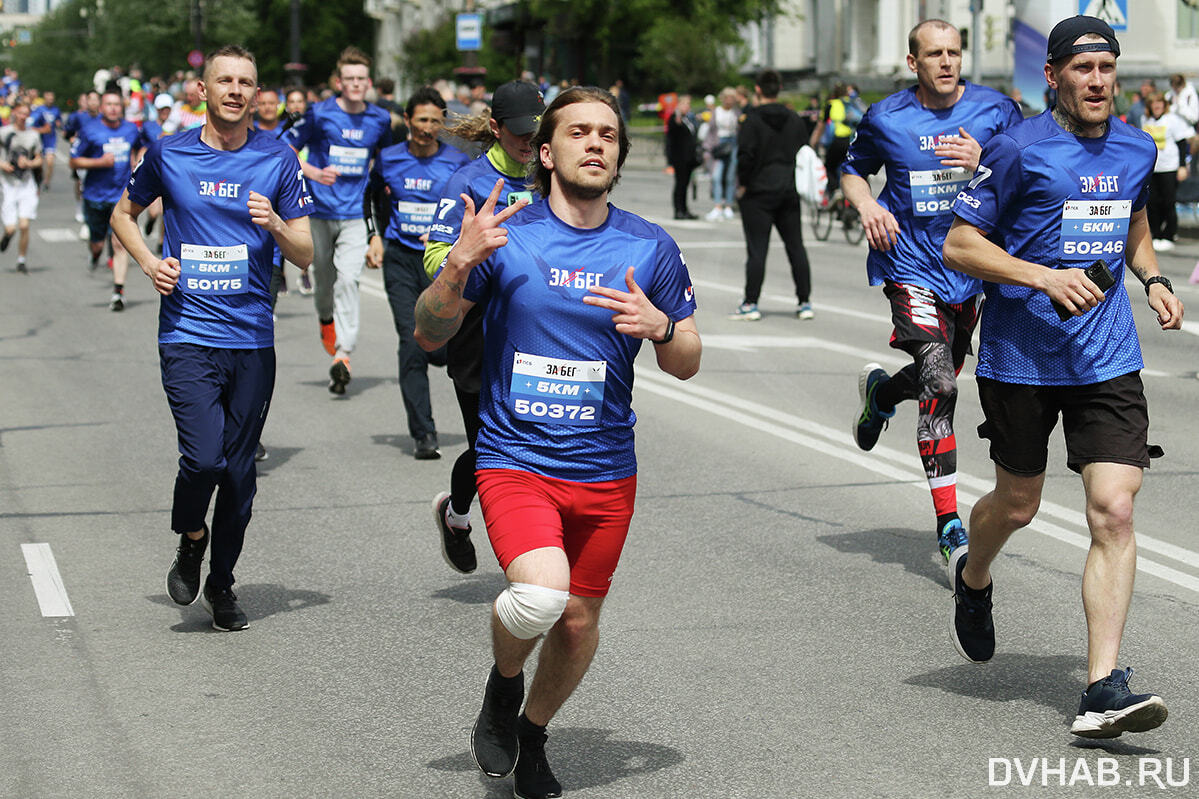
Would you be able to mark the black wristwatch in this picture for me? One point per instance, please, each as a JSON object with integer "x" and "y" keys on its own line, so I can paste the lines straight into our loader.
{"x": 1158, "y": 279}
{"x": 669, "y": 332}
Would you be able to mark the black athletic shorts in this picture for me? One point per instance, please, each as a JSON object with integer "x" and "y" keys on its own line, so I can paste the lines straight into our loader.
{"x": 1104, "y": 422}
{"x": 921, "y": 317}
{"x": 96, "y": 215}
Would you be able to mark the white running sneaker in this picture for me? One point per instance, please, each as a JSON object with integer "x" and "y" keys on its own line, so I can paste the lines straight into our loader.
{"x": 713, "y": 215}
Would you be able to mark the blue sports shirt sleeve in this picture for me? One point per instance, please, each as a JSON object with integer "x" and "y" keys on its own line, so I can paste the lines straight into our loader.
{"x": 995, "y": 184}
{"x": 298, "y": 135}
{"x": 293, "y": 199}
{"x": 145, "y": 184}
{"x": 864, "y": 158}
{"x": 670, "y": 290}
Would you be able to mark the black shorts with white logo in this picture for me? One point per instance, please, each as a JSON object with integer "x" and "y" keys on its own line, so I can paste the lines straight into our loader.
{"x": 1104, "y": 422}
{"x": 921, "y": 317}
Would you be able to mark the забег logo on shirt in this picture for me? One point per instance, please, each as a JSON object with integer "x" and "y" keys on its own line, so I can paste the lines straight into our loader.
{"x": 223, "y": 188}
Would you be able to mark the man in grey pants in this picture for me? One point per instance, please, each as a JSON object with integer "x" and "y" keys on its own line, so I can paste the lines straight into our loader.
{"x": 342, "y": 134}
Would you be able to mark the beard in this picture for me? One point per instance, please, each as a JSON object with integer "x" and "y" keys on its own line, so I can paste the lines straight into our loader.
{"x": 583, "y": 190}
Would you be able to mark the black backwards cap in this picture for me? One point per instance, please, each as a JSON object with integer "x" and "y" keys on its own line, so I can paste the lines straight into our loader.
{"x": 518, "y": 105}
{"x": 1064, "y": 35}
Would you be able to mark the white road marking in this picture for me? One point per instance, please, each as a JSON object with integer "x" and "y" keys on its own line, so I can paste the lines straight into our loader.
{"x": 58, "y": 234}
{"x": 47, "y": 582}
{"x": 839, "y": 444}
{"x": 896, "y": 465}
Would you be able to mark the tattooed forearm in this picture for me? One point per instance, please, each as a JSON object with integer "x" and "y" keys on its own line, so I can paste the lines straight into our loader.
{"x": 439, "y": 311}
{"x": 1141, "y": 272}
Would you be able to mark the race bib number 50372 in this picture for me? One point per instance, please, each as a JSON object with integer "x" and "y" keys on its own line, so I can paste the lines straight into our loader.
{"x": 557, "y": 390}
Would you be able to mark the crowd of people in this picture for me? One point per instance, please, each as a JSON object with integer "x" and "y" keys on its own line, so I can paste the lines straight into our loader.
{"x": 469, "y": 204}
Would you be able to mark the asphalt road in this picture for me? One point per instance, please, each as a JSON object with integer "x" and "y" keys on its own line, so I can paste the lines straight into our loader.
{"x": 778, "y": 626}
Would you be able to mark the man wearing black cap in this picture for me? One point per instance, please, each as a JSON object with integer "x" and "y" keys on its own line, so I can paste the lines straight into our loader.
{"x": 507, "y": 134}
{"x": 1068, "y": 190}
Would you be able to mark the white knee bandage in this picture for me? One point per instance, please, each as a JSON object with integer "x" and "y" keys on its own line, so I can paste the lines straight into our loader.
{"x": 528, "y": 610}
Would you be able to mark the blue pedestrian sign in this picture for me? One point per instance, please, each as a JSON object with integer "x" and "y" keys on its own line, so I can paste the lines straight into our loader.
{"x": 469, "y": 28}
{"x": 1113, "y": 12}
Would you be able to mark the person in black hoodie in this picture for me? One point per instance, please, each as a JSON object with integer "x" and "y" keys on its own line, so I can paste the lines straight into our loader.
{"x": 682, "y": 153}
{"x": 770, "y": 136}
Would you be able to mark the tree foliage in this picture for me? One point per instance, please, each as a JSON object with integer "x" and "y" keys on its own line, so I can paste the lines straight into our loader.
{"x": 81, "y": 36}
{"x": 656, "y": 44}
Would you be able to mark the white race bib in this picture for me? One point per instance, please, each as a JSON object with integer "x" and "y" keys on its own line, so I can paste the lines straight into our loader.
{"x": 1094, "y": 229}
{"x": 214, "y": 270}
{"x": 557, "y": 390}
{"x": 934, "y": 190}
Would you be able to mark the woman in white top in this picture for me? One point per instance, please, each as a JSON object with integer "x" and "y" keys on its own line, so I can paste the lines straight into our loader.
{"x": 723, "y": 149}
{"x": 1171, "y": 133}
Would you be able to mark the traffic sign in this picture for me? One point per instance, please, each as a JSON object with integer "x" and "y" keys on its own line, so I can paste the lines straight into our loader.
{"x": 469, "y": 28}
{"x": 1113, "y": 12}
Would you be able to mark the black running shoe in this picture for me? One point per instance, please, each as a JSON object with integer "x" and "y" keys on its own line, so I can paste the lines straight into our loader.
{"x": 261, "y": 453}
{"x": 493, "y": 741}
{"x": 534, "y": 780}
{"x": 22, "y": 268}
{"x": 339, "y": 376}
{"x": 870, "y": 421}
{"x": 117, "y": 303}
{"x": 972, "y": 629}
{"x": 183, "y": 579}
{"x": 456, "y": 546}
{"x": 1109, "y": 709}
{"x": 226, "y": 615}
{"x": 4, "y": 241}
{"x": 426, "y": 448}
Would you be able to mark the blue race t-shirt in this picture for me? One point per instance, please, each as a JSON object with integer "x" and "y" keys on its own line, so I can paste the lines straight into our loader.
{"x": 347, "y": 142}
{"x": 96, "y": 139}
{"x": 900, "y": 134}
{"x": 47, "y": 114}
{"x": 223, "y": 297}
{"x": 557, "y": 376}
{"x": 475, "y": 180}
{"x": 415, "y": 186}
{"x": 1063, "y": 201}
{"x": 75, "y": 122}
{"x": 151, "y": 132}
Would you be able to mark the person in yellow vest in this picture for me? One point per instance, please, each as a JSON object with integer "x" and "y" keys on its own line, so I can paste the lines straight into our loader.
{"x": 841, "y": 118}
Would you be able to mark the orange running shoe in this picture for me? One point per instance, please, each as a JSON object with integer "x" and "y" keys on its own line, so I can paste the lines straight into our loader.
{"x": 329, "y": 337}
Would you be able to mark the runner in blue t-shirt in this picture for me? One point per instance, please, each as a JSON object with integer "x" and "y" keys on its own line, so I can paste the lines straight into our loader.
{"x": 342, "y": 134}
{"x": 47, "y": 120}
{"x": 406, "y": 184}
{"x": 230, "y": 195}
{"x": 89, "y": 109}
{"x": 507, "y": 133}
{"x": 928, "y": 139}
{"x": 106, "y": 148}
{"x": 1064, "y": 191}
{"x": 572, "y": 286}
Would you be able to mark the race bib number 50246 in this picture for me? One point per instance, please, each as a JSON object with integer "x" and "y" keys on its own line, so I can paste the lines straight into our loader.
{"x": 1094, "y": 229}
{"x": 556, "y": 390}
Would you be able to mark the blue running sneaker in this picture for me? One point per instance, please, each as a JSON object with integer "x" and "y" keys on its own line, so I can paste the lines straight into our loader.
{"x": 972, "y": 628}
{"x": 746, "y": 312}
{"x": 952, "y": 536}
{"x": 870, "y": 421}
{"x": 1108, "y": 708}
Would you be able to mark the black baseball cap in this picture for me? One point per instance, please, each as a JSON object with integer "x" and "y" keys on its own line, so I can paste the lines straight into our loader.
{"x": 518, "y": 104}
{"x": 1064, "y": 35}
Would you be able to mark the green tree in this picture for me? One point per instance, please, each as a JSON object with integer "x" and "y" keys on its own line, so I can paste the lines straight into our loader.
{"x": 81, "y": 36}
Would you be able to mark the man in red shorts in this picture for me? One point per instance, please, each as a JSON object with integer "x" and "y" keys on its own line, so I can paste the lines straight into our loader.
{"x": 571, "y": 287}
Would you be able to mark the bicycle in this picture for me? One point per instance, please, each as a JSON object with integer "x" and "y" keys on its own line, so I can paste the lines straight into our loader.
{"x": 837, "y": 208}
